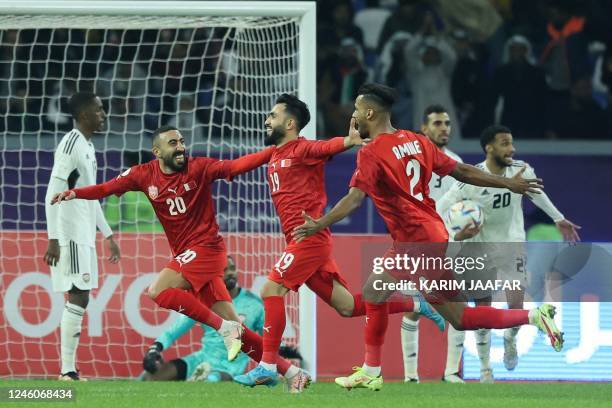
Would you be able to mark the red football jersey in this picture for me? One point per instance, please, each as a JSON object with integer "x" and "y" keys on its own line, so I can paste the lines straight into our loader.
{"x": 394, "y": 170}
{"x": 182, "y": 201}
{"x": 296, "y": 179}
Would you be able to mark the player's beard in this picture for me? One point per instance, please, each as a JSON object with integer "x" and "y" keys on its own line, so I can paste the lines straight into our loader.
{"x": 501, "y": 162}
{"x": 230, "y": 283}
{"x": 171, "y": 164}
{"x": 275, "y": 137}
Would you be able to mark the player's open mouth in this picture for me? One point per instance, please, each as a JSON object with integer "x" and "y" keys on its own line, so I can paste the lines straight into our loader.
{"x": 180, "y": 157}
{"x": 268, "y": 130}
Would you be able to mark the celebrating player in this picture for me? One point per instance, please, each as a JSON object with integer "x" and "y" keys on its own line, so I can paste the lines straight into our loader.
{"x": 210, "y": 362}
{"x": 191, "y": 283}
{"x": 503, "y": 215}
{"x": 295, "y": 176}
{"x": 395, "y": 170}
{"x": 71, "y": 229}
{"x": 437, "y": 127}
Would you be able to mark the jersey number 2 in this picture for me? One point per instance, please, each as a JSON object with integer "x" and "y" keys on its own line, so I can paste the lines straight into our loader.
{"x": 413, "y": 171}
{"x": 176, "y": 204}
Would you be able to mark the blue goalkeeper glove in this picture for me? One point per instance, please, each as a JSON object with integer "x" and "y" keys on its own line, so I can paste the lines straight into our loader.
{"x": 153, "y": 359}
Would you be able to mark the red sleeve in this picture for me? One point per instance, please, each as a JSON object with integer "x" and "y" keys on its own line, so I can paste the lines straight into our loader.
{"x": 228, "y": 169}
{"x": 322, "y": 149}
{"x": 367, "y": 172}
{"x": 442, "y": 165}
{"x": 126, "y": 181}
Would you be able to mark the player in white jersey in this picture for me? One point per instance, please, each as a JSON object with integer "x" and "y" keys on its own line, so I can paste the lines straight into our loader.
{"x": 71, "y": 228}
{"x": 437, "y": 127}
{"x": 503, "y": 223}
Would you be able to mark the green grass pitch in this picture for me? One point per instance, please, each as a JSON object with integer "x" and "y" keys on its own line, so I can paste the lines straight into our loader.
{"x": 135, "y": 394}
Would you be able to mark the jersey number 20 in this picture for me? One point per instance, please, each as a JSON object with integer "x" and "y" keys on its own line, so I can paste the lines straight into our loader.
{"x": 176, "y": 204}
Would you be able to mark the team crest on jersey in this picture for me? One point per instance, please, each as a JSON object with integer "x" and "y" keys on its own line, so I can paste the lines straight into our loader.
{"x": 153, "y": 192}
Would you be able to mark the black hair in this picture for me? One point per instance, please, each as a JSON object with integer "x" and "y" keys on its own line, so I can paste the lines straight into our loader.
{"x": 79, "y": 102}
{"x": 381, "y": 95}
{"x": 296, "y": 108}
{"x": 433, "y": 109}
{"x": 161, "y": 130}
{"x": 488, "y": 135}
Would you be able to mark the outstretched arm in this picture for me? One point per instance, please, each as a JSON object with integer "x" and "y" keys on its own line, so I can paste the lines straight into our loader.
{"x": 568, "y": 229}
{"x": 517, "y": 184}
{"x": 344, "y": 207}
{"x": 325, "y": 148}
{"x": 249, "y": 162}
{"x": 119, "y": 185}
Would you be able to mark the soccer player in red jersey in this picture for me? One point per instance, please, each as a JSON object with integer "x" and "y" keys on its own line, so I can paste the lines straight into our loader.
{"x": 296, "y": 180}
{"x": 394, "y": 170}
{"x": 179, "y": 190}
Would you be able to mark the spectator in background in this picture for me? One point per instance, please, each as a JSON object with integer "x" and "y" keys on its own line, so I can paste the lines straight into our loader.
{"x": 408, "y": 17}
{"x": 522, "y": 88}
{"x": 430, "y": 61}
{"x": 127, "y": 81}
{"x": 565, "y": 57}
{"x": 579, "y": 116}
{"x": 339, "y": 84}
{"x": 391, "y": 71}
{"x": 467, "y": 85}
{"x": 341, "y": 22}
{"x": 606, "y": 79}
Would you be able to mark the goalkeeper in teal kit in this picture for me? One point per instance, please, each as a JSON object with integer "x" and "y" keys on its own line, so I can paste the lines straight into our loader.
{"x": 210, "y": 362}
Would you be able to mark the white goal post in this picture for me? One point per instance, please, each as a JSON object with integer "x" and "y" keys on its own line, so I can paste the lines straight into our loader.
{"x": 104, "y": 15}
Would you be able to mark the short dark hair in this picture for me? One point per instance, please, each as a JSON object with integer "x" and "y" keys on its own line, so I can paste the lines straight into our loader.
{"x": 433, "y": 109}
{"x": 79, "y": 102}
{"x": 381, "y": 95}
{"x": 160, "y": 130}
{"x": 296, "y": 108}
{"x": 488, "y": 135}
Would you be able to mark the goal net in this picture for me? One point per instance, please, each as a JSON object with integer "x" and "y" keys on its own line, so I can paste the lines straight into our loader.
{"x": 212, "y": 69}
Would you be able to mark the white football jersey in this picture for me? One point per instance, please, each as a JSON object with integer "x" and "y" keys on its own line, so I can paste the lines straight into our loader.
{"x": 75, "y": 162}
{"x": 440, "y": 185}
{"x": 503, "y": 209}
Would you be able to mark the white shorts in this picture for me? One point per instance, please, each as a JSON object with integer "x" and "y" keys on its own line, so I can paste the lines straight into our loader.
{"x": 77, "y": 266}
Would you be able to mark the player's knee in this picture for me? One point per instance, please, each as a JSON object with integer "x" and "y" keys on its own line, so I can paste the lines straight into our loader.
{"x": 153, "y": 291}
{"x": 344, "y": 310}
{"x": 456, "y": 323}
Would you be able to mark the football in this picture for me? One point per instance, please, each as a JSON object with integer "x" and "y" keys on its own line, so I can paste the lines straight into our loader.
{"x": 463, "y": 213}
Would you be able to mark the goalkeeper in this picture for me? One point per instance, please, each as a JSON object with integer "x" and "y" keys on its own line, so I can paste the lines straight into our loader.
{"x": 210, "y": 362}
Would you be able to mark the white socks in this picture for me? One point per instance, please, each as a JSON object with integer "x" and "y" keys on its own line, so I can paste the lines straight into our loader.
{"x": 70, "y": 329}
{"x": 454, "y": 350}
{"x": 373, "y": 371}
{"x": 483, "y": 345}
{"x": 410, "y": 347}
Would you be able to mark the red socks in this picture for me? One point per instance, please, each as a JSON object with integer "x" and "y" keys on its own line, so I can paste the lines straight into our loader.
{"x": 274, "y": 326}
{"x": 186, "y": 303}
{"x": 252, "y": 346}
{"x": 377, "y": 319}
{"x": 487, "y": 317}
{"x": 403, "y": 306}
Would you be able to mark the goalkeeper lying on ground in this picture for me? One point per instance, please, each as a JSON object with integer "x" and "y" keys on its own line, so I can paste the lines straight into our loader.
{"x": 210, "y": 362}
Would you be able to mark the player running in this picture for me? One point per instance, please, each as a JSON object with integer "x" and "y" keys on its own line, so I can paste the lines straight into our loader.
{"x": 179, "y": 189}
{"x": 437, "y": 126}
{"x": 395, "y": 170}
{"x": 296, "y": 179}
{"x": 503, "y": 223}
